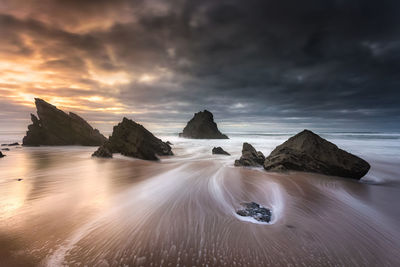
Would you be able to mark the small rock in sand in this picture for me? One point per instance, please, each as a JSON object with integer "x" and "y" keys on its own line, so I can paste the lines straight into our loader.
{"x": 256, "y": 211}
{"x": 220, "y": 151}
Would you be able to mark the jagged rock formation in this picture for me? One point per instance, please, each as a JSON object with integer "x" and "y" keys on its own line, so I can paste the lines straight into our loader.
{"x": 132, "y": 139}
{"x": 256, "y": 211}
{"x": 250, "y": 157}
{"x": 202, "y": 126}
{"x": 306, "y": 151}
{"x": 220, "y": 151}
{"x": 2, "y": 155}
{"x": 54, "y": 127}
{"x": 102, "y": 152}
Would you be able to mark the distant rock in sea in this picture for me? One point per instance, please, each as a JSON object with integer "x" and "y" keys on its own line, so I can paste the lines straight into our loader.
{"x": 255, "y": 211}
{"x": 12, "y": 144}
{"x": 132, "y": 139}
{"x": 250, "y": 157}
{"x": 202, "y": 126}
{"x": 220, "y": 151}
{"x": 54, "y": 127}
{"x": 2, "y": 155}
{"x": 306, "y": 151}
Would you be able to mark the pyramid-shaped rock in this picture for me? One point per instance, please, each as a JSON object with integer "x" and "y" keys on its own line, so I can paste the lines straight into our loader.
{"x": 202, "y": 126}
{"x": 54, "y": 127}
{"x": 306, "y": 151}
{"x": 250, "y": 157}
{"x": 132, "y": 139}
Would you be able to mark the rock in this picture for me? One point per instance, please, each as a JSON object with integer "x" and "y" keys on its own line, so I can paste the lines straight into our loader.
{"x": 255, "y": 211}
{"x": 14, "y": 144}
{"x": 5, "y": 149}
{"x": 202, "y": 126}
{"x": 220, "y": 151}
{"x": 169, "y": 143}
{"x": 55, "y": 127}
{"x": 132, "y": 139}
{"x": 102, "y": 152}
{"x": 2, "y": 155}
{"x": 250, "y": 157}
{"x": 306, "y": 151}
{"x": 19, "y": 179}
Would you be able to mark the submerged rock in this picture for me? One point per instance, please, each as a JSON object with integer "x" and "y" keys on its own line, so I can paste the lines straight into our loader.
{"x": 12, "y": 144}
{"x": 132, "y": 139}
{"x": 220, "y": 151}
{"x": 202, "y": 126}
{"x": 2, "y": 155}
{"x": 250, "y": 157}
{"x": 306, "y": 151}
{"x": 256, "y": 211}
{"x": 102, "y": 152}
{"x": 54, "y": 127}
{"x": 5, "y": 149}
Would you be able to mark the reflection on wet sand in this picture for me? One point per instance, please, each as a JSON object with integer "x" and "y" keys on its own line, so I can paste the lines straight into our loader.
{"x": 74, "y": 210}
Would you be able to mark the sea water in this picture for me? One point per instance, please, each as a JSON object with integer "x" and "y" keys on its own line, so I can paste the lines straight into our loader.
{"x": 72, "y": 209}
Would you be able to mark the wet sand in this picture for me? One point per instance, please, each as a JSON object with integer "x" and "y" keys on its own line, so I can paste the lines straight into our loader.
{"x": 74, "y": 210}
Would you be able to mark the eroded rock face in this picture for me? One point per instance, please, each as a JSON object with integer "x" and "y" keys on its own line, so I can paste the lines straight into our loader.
{"x": 132, "y": 139}
{"x": 219, "y": 151}
{"x": 202, "y": 126}
{"x": 56, "y": 128}
{"x": 306, "y": 151}
{"x": 250, "y": 157}
{"x": 255, "y": 211}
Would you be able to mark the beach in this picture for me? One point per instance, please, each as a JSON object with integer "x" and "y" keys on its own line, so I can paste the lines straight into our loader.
{"x": 72, "y": 209}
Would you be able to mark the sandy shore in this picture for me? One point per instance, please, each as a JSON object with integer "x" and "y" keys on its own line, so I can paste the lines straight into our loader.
{"x": 72, "y": 209}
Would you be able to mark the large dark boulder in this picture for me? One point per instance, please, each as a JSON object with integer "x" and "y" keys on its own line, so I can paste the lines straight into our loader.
{"x": 54, "y": 127}
{"x": 306, "y": 151}
{"x": 132, "y": 139}
{"x": 202, "y": 126}
{"x": 220, "y": 151}
{"x": 250, "y": 157}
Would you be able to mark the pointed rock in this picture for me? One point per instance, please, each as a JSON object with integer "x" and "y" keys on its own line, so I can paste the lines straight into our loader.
{"x": 202, "y": 126}
{"x": 307, "y": 151}
{"x": 2, "y": 155}
{"x": 132, "y": 139}
{"x": 250, "y": 157}
{"x": 54, "y": 127}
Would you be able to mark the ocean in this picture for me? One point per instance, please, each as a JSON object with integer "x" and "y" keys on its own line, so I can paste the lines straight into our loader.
{"x": 75, "y": 210}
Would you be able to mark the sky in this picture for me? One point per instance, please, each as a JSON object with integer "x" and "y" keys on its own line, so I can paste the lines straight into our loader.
{"x": 257, "y": 65}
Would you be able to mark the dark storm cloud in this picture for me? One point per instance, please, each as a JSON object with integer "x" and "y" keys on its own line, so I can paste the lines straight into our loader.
{"x": 331, "y": 63}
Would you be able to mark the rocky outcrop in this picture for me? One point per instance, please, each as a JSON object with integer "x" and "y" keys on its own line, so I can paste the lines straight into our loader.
{"x": 2, "y": 155}
{"x": 102, "y": 152}
{"x": 202, "y": 126}
{"x": 54, "y": 127}
{"x": 255, "y": 211}
{"x": 250, "y": 157}
{"x": 219, "y": 151}
{"x": 306, "y": 151}
{"x": 132, "y": 139}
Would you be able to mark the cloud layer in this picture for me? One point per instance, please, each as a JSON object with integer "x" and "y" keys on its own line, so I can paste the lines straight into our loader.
{"x": 255, "y": 64}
